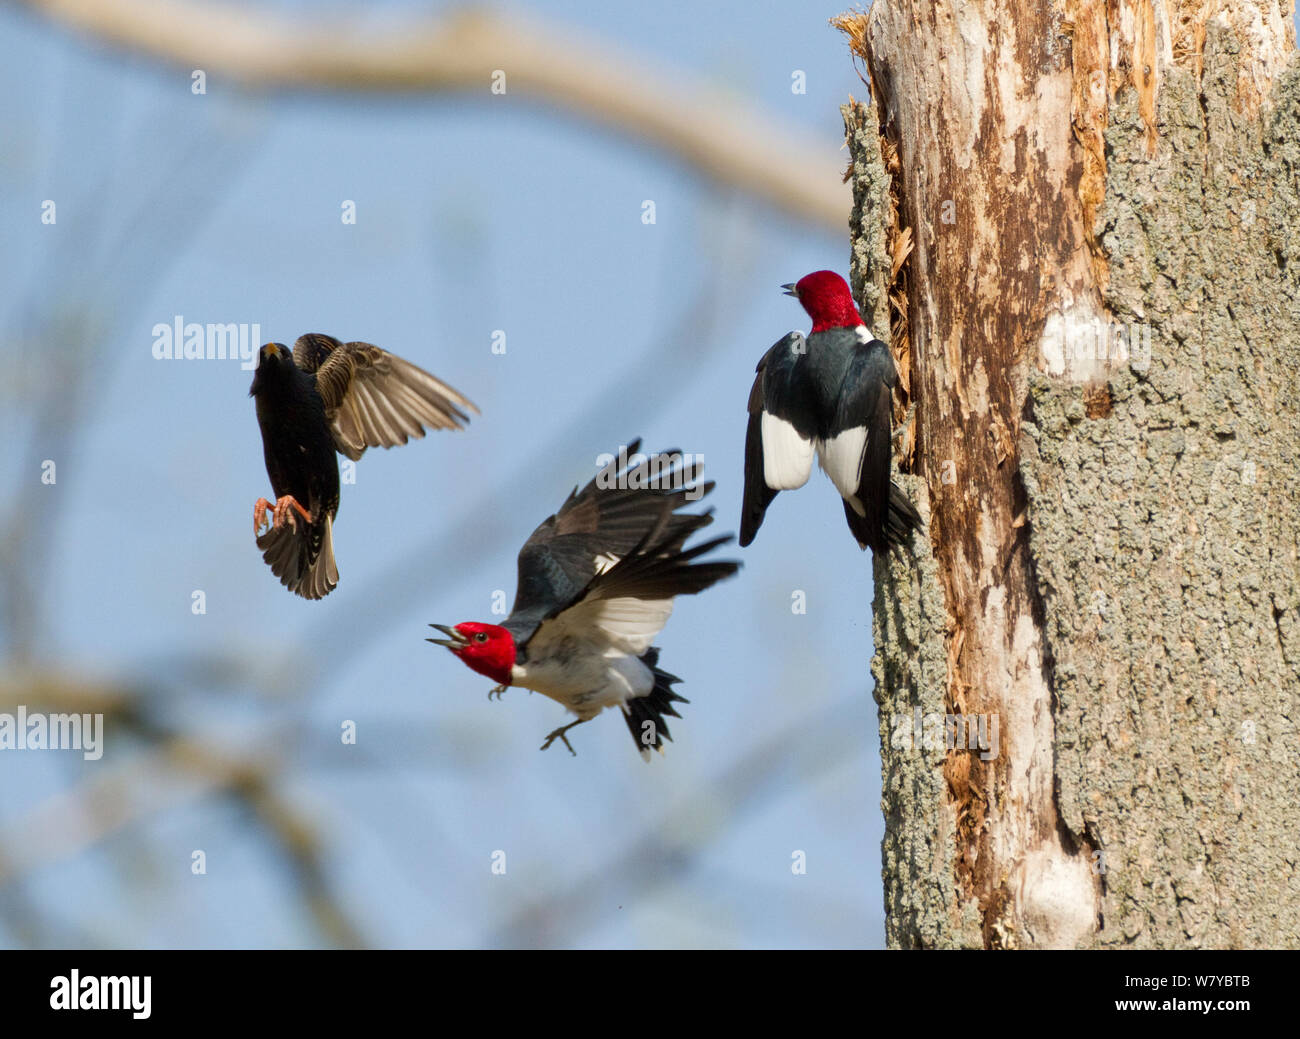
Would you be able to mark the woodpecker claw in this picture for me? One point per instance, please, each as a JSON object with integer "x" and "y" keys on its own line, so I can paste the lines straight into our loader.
{"x": 260, "y": 508}
{"x": 497, "y": 691}
{"x": 560, "y": 735}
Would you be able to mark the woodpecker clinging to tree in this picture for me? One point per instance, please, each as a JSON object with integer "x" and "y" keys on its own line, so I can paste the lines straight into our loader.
{"x": 828, "y": 393}
{"x": 596, "y": 586}
{"x": 331, "y": 397}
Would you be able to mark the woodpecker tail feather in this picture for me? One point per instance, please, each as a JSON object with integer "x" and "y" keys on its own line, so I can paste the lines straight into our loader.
{"x": 901, "y": 518}
{"x": 645, "y": 714}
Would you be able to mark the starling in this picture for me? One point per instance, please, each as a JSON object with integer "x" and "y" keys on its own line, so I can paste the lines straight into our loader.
{"x": 330, "y": 396}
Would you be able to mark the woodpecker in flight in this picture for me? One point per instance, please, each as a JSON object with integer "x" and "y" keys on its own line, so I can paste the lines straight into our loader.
{"x": 331, "y": 397}
{"x": 596, "y": 586}
{"x": 828, "y": 393}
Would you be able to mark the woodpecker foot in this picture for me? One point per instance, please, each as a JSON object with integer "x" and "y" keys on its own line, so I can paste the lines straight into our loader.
{"x": 558, "y": 734}
{"x": 497, "y": 691}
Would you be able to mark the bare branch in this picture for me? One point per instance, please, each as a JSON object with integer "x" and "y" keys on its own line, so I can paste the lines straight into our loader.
{"x": 721, "y": 137}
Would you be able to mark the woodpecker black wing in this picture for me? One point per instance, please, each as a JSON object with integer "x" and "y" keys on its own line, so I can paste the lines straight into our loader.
{"x": 599, "y": 525}
{"x": 758, "y": 496}
{"x": 631, "y": 600}
{"x": 374, "y": 398}
{"x": 856, "y": 451}
{"x": 781, "y": 435}
{"x": 624, "y": 607}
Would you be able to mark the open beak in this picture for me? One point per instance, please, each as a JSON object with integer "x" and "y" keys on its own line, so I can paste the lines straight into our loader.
{"x": 455, "y": 643}
{"x": 790, "y": 290}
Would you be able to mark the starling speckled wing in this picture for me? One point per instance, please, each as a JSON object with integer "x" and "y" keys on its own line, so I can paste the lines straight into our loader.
{"x": 330, "y": 397}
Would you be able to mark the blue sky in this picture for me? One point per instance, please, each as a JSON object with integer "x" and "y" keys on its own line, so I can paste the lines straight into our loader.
{"x": 474, "y": 214}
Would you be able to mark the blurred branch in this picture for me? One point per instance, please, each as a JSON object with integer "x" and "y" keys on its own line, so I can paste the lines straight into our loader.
{"x": 80, "y": 295}
{"x": 166, "y": 772}
{"x": 720, "y": 136}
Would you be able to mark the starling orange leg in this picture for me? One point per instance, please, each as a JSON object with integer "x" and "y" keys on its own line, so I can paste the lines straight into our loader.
{"x": 279, "y": 512}
{"x": 259, "y": 514}
{"x": 282, "y": 513}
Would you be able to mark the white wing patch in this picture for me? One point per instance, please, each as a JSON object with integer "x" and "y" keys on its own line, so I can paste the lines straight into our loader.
{"x": 841, "y": 458}
{"x": 787, "y": 456}
{"x": 604, "y": 561}
{"x": 586, "y": 658}
{"x": 629, "y": 624}
{"x": 624, "y": 625}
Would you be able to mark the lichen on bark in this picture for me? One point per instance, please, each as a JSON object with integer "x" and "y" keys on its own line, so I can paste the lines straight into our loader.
{"x": 1165, "y": 534}
{"x": 1159, "y": 505}
{"x": 910, "y": 679}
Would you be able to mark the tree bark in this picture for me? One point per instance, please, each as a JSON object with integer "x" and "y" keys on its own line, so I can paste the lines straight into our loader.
{"x": 1081, "y": 224}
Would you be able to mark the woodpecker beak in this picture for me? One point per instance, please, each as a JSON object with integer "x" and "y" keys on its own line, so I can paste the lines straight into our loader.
{"x": 456, "y": 643}
{"x": 271, "y": 349}
{"x": 790, "y": 290}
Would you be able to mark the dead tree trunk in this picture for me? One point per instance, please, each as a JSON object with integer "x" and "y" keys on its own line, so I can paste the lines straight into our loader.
{"x": 1080, "y": 223}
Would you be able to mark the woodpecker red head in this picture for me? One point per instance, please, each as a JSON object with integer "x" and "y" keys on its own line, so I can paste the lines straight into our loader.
{"x": 596, "y": 586}
{"x": 827, "y": 394}
{"x": 827, "y": 299}
{"x": 488, "y": 649}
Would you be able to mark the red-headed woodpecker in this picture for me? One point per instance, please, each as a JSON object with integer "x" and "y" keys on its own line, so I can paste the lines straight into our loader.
{"x": 828, "y": 394}
{"x": 596, "y": 586}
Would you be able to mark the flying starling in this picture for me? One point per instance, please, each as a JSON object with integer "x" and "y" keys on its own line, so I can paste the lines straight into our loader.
{"x": 330, "y": 396}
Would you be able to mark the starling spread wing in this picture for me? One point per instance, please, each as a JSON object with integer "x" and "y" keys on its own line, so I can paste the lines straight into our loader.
{"x": 374, "y": 398}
